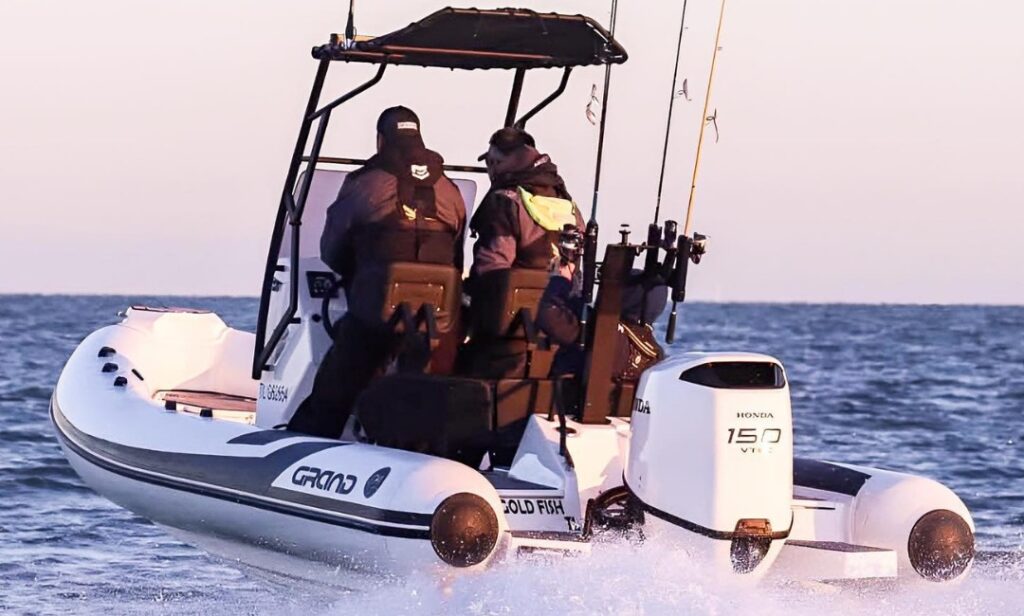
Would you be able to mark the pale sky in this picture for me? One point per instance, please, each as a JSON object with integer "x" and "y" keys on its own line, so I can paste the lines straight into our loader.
{"x": 869, "y": 152}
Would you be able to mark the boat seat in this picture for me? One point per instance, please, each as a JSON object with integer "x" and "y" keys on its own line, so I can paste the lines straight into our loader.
{"x": 457, "y": 418}
{"x": 422, "y": 284}
{"x": 438, "y": 415}
{"x": 504, "y": 327}
{"x": 421, "y": 303}
{"x": 209, "y": 400}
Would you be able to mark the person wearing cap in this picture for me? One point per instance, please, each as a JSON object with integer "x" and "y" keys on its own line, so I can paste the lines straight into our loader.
{"x": 516, "y": 226}
{"x": 527, "y": 206}
{"x": 398, "y": 207}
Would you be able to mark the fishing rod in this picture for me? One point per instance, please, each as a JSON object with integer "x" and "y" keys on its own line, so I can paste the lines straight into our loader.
{"x": 590, "y": 236}
{"x": 654, "y": 272}
{"x": 668, "y": 121}
{"x": 692, "y": 246}
{"x": 687, "y": 227}
{"x": 604, "y": 115}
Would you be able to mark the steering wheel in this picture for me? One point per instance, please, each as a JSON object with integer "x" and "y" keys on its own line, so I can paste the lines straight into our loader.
{"x": 325, "y": 307}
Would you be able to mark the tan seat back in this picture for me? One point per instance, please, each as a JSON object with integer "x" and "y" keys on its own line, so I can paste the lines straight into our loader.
{"x": 525, "y": 288}
{"x": 419, "y": 284}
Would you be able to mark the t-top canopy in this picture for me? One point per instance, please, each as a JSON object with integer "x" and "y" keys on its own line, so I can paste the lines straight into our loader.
{"x": 485, "y": 39}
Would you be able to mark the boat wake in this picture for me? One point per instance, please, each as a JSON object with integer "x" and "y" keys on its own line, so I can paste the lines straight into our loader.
{"x": 654, "y": 580}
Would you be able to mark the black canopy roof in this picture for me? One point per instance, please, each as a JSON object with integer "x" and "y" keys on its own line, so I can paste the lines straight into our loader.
{"x": 486, "y": 39}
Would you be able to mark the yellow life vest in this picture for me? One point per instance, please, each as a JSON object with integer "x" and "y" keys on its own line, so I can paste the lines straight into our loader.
{"x": 551, "y": 213}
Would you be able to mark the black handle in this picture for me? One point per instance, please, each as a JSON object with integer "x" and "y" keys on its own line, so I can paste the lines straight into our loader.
{"x": 684, "y": 247}
{"x": 652, "y": 247}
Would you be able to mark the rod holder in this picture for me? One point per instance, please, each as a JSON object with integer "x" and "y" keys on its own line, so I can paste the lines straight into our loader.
{"x": 624, "y": 234}
{"x": 652, "y": 247}
{"x": 684, "y": 246}
{"x": 671, "y": 234}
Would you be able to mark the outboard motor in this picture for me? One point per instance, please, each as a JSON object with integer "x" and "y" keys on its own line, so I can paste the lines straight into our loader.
{"x": 711, "y": 457}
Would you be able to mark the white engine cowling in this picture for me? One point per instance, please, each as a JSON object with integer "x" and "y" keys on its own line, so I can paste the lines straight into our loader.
{"x": 711, "y": 456}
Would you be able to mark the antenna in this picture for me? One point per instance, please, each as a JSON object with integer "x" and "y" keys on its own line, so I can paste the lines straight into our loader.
{"x": 350, "y": 27}
{"x": 671, "y": 105}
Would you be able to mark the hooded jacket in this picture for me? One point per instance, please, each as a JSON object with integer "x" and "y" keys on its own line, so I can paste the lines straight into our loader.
{"x": 507, "y": 235}
{"x": 398, "y": 207}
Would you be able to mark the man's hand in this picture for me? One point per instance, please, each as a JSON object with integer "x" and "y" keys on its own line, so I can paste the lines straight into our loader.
{"x": 565, "y": 270}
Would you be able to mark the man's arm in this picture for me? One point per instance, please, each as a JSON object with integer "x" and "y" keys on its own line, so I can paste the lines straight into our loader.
{"x": 334, "y": 240}
{"x": 558, "y": 314}
{"x": 451, "y": 209}
{"x": 358, "y": 202}
{"x": 496, "y": 244}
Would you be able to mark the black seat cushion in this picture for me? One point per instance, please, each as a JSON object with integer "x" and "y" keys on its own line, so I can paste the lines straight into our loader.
{"x": 438, "y": 415}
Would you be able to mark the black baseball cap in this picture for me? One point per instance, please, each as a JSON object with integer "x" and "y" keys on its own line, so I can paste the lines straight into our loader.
{"x": 400, "y": 122}
{"x": 509, "y": 139}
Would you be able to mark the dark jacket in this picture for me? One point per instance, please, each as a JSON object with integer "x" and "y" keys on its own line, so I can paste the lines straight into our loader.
{"x": 636, "y": 348}
{"x": 507, "y": 236}
{"x": 389, "y": 211}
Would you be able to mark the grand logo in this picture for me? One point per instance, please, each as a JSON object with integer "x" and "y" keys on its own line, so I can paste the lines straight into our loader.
{"x": 375, "y": 481}
{"x": 326, "y": 480}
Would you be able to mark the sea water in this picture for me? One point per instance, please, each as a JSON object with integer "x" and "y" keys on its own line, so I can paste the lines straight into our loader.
{"x": 933, "y": 390}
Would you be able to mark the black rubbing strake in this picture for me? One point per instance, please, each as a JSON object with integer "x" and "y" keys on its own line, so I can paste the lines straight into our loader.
{"x": 252, "y": 475}
{"x": 278, "y": 507}
{"x": 264, "y": 437}
{"x": 827, "y": 476}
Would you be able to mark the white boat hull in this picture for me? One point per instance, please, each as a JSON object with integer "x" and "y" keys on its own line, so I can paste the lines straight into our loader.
{"x": 348, "y": 512}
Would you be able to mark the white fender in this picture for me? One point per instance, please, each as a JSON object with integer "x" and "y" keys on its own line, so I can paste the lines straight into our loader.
{"x": 889, "y": 506}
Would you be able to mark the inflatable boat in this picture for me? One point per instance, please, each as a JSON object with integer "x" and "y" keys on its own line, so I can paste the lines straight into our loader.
{"x": 181, "y": 419}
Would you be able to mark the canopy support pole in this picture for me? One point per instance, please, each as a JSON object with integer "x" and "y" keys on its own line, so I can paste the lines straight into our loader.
{"x": 513, "y": 99}
{"x": 352, "y": 94}
{"x": 283, "y": 211}
{"x": 290, "y": 212}
{"x": 521, "y": 122}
